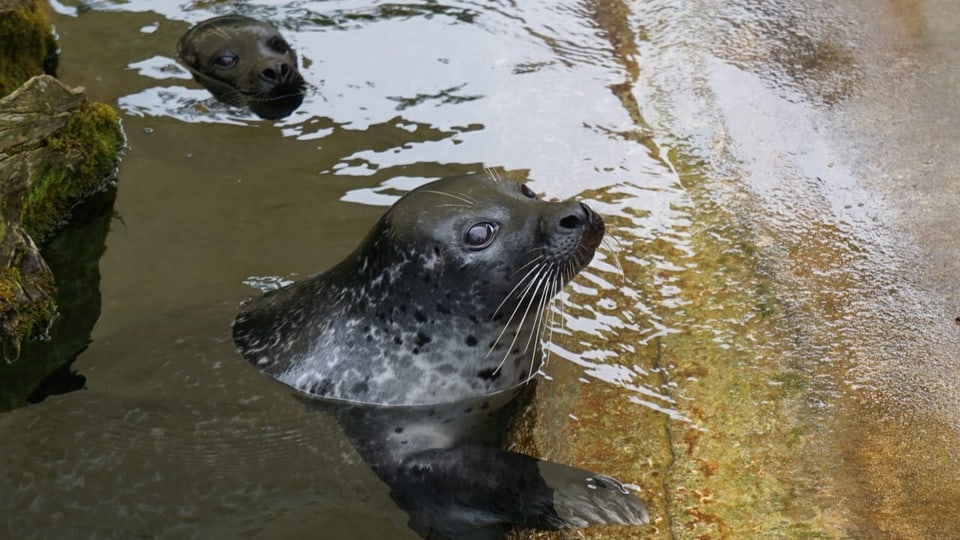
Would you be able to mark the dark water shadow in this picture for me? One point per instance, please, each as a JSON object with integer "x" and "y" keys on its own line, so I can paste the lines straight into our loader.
{"x": 175, "y": 436}
{"x": 45, "y": 365}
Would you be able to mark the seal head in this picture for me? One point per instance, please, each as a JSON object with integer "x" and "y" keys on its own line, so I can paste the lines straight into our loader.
{"x": 446, "y": 299}
{"x": 244, "y": 62}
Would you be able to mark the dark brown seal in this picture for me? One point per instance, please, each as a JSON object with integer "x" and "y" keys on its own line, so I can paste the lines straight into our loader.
{"x": 244, "y": 62}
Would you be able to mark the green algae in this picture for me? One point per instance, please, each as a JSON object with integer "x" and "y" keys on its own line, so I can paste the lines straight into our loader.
{"x": 88, "y": 147}
{"x": 70, "y": 165}
{"x": 28, "y": 46}
{"x": 708, "y": 427}
{"x": 23, "y": 315}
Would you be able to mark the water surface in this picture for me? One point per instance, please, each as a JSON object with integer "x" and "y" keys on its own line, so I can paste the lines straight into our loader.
{"x": 744, "y": 352}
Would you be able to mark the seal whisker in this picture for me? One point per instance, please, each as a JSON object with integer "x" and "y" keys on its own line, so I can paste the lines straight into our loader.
{"x": 535, "y": 260}
{"x": 538, "y": 282}
{"x": 612, "y": 246}
{"x": 530, "y": 282}
{"x": 519, "y": 284}
{"x": 462, "y": 198}
{"x": 540, "y": 323}
{"x": 539, "y": 319}
{"x": 554, "y": 300}
{"x": 580, "y": 256}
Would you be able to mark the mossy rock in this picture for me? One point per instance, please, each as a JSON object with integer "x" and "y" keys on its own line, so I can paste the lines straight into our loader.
{"x": 55, "y": 150}
{"x": 28, "y": 47}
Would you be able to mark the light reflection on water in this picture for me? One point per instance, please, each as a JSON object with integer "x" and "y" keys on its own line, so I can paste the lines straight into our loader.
{"x": 505, "y": 85}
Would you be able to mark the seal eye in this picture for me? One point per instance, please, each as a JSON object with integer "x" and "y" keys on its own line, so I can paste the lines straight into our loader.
{"x": 480, "y": 235}
{"x": 278, "y": 44}
{"x": 527, "y": 192}
{"x": 225, "y": 60}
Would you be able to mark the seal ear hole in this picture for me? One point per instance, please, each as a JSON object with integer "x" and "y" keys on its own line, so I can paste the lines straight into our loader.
{"x": 480, "y": 235}
{"x": 527, "y": 192}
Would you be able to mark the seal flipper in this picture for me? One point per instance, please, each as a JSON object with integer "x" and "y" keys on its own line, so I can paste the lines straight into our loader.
{"x": 477, "y": 492}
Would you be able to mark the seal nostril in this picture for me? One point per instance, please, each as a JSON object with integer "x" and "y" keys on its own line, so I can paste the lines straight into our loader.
{"x": 571, "y": 222}
{"x": 277, "y": 74}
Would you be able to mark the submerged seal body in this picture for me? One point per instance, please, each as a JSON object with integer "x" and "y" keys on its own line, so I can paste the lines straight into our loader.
{"x": 244, "y": 62}
{"x": 444, "y": 300}
{"x": 419, "y": 340}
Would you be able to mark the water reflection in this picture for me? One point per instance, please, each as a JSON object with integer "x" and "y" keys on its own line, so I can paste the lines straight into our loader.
{"x": 491, "y": 69}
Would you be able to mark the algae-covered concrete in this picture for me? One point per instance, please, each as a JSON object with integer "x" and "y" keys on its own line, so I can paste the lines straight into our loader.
{"x": 795, "y": 349}
{"x": 711, "y": 431}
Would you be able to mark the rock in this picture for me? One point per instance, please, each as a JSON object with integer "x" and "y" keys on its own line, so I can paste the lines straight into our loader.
{"x": 55, "y": 150}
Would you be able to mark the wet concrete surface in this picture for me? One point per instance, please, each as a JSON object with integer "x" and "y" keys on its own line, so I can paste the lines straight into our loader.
{"x": 824, "y": 130}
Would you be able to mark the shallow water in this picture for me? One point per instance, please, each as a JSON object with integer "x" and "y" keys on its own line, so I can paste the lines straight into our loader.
{"x": 722, "y": 354}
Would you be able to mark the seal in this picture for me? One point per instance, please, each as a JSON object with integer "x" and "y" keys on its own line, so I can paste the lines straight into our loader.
{"x": 443, "y": 301}
{"x": 420, "y": 340}
{"x": 244, "y": 62}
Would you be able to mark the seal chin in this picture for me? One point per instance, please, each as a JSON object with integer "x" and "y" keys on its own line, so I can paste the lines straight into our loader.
{"x": 277, "y": 102}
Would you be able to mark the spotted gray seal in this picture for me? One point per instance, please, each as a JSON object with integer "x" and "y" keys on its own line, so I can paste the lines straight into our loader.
{"x": 244, "y": 62}
{"x": 420, "y": 338}
{"x": 444, "y": 300}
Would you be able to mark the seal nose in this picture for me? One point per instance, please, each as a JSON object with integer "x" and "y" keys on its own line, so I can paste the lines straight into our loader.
{"x": 278, "y": 73}
{"x": 580, "y": 216}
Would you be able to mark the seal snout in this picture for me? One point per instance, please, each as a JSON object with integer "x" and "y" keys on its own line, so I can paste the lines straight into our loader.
{"x": 577, "y": 228}
{"x": 577, "y": 219}
{"x": 278, "y": 73}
